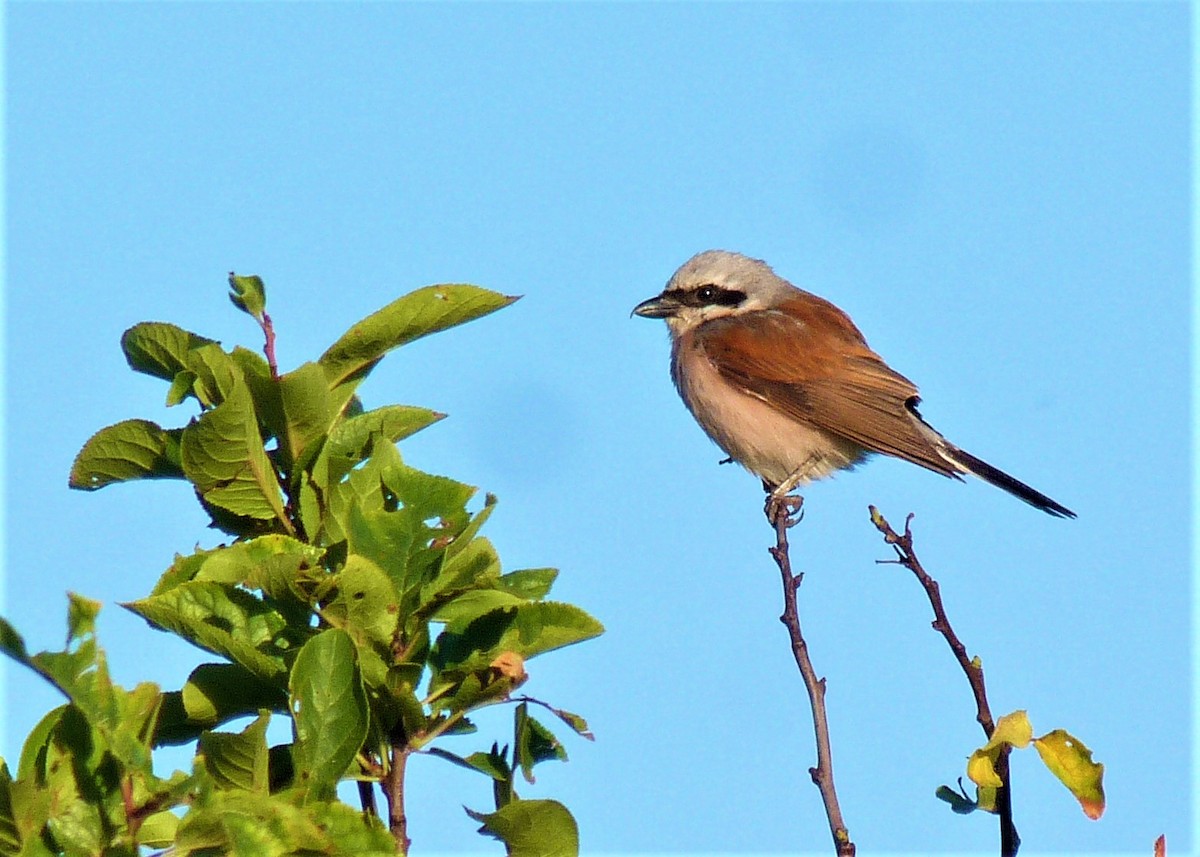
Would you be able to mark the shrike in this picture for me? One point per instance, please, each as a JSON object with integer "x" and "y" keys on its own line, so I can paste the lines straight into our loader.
{"x": 784, "y": 382}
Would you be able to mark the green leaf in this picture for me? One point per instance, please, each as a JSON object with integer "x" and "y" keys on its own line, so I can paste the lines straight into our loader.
{"x": 158, "y": 830}
{"x": 1071, "y": 761}
{"x": 183, "y": 569}
{"x": 384, "y": 538}
{"x": 477, "y": 565}
{"x": 532, "y": 584}
{"x": 223, "y": 456}
{"x": 213, "y": 694}
{"x": 959, "y": 802}
{"x": 527, "y": 629}
{"x": 238, "y": 761}
{"x": 464, "y": 539}
{"x": 10, "y": 834}
{"x": 216, "y": 374}
{"x": 533, "y": 742}
{"x": 417, "y": 314}
{"x": 577, "y": 723}
{"x": 351, "y": 832}
{"x": 365, "y": 604}
{"x": 493, "y": 765}
{"x": 329, "y": 708}
{"x": 258, "y": 562}
{"x": 132, "y": 449}
{"x": 473, "y": 604}
{"x": 306, "y": 409}
{"x": 532, "y": 828}
{"x": 81, "y": 616}
{"x": 159, "y": 349}
{"x": 226, "y": 621}
{"x": 352, "y": 440}
{"x": 248, "y": 294}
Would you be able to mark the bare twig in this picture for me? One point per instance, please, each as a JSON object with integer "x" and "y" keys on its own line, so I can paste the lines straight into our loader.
{"x": 1010, "y": 842}
{"x": 782, "y": 515}
{"x": 393, "y": 790}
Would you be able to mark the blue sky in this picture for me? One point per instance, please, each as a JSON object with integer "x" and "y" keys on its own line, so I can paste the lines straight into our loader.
{"x": 997, "y": 193}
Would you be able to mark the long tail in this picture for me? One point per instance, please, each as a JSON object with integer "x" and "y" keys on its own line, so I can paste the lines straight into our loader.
{"x": 1003, "y": 481}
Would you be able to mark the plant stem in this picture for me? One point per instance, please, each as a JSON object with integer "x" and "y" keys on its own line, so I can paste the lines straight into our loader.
{"x": 393, "y": 790}
{"x": 268, "y": 329}
{"x": 780, "y": 515}
{"x": 366, "y": 798}
{"x": 1010, "y": 842}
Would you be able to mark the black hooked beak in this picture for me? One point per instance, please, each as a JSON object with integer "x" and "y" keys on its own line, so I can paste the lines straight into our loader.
{"x": 662, "y": 306}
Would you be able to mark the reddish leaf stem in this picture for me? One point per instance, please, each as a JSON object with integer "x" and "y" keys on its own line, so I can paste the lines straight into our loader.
{"x": 1010, "y": 842}
{"x": 782, "y": 516}
{"x": 268, "y": 329}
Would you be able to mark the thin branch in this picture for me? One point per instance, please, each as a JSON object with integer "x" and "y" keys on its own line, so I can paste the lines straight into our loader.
{"x": 780, "y": 514}
{"x": 1010, "y": 842}
{"x": 393, "y": 790}
{"x": 366, "y": 797}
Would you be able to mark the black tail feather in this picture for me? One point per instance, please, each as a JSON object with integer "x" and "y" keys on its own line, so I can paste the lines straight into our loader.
{"x": 1007, "y": 483}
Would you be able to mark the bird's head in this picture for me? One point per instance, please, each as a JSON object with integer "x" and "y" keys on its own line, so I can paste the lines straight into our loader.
{"x": 715, "y": 284}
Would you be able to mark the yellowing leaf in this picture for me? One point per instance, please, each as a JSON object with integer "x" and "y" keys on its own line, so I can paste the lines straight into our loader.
{"x": 1012, "y": 730}
{"x": 1070, "y": 761}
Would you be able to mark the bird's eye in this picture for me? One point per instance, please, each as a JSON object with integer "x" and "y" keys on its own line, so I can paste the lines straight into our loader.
{"x": 707, "y": 294}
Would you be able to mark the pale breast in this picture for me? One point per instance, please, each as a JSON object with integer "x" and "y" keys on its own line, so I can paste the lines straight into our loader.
{"x": 760, "y": 438}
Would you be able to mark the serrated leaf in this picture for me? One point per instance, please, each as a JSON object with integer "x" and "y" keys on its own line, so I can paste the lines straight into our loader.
{"x": 527, "y": 629}
{"x": 183, "y": 569}
{"x": 352, "y": 439}
{"x": 131, "y": 449}
{"x": 329, "y": 708}
{"x": 226, "y": 621}
{"x": 1071, "y": 761}
{"x": 410, "y": 317}
{"x": 472, "y": 604}
{"x": 248, "y": 294}
{"x": 532, "y": 584}
{"x": 223, "y": 456}
{"x": 532, "y": 828}
{"x": 253, "y": 562}
{"x": 159, "y": 349}
{"x": 238, "y": 761}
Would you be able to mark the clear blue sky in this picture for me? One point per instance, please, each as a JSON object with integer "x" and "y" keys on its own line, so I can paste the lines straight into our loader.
{"x": 998, "y": 194}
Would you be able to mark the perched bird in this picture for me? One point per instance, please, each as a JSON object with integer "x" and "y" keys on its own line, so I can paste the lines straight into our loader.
{"x": 784, "y": 382}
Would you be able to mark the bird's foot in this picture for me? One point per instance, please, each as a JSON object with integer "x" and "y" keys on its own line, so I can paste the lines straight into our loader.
{"x": 781, "y": 504}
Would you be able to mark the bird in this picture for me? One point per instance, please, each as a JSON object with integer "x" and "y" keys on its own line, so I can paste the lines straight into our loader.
{"x": 785, "y": 383}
